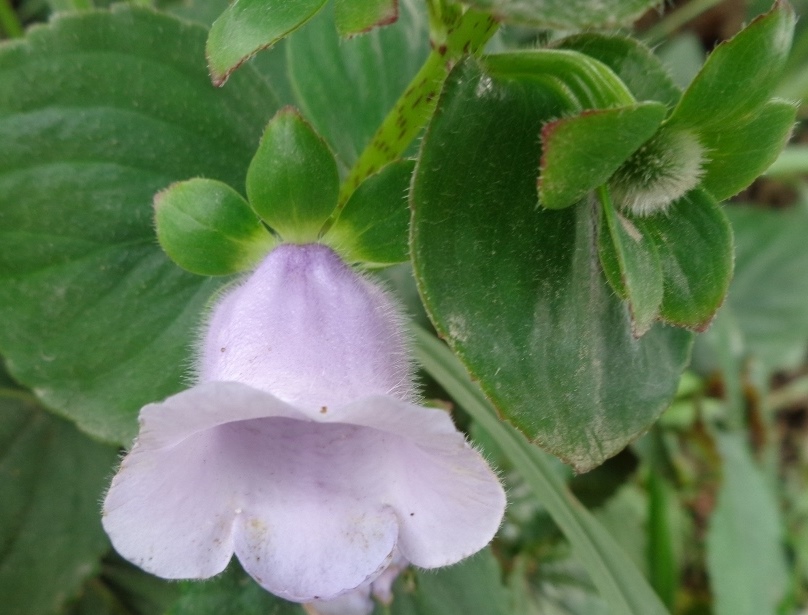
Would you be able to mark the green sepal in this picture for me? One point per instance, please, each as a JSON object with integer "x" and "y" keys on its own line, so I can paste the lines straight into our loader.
{"x": 581, "y": 152}
{"x": 637, "y": 260}
{"x": 584, "y": 82}
{"x": 736, "y": 157}
{"x": 248, "y": 26}
{"x": 358, "y": 16}
{"x": 292, "y": 182}
{"x": 373, "y": 227}
{"x": 695, "y": 245}
{"x": 634, "y": 63}
{"x": 740, "y": 75}
{"x": 207, "y": 228}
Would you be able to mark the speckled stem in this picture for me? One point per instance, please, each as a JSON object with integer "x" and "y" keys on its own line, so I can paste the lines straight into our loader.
{"x": 415, "y": 106}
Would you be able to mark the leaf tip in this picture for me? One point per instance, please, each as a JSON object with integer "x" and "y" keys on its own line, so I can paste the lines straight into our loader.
{"x": 387, "y": 16}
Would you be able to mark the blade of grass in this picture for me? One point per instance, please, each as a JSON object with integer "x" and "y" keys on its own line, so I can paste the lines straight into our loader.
{"x": 661, "y": 558}
{"x": 617, "y": 578}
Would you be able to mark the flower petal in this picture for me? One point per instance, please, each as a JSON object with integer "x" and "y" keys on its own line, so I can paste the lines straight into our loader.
{"x": 170, "y": 508}
{"x": 382, "y": 586}
{"x": 308, "y": 329}
{"x": 316, "y": 522}
{"x": 205, "y": 406}
{"x": 168, "y": 513}
{"x": 449, "y": 501}
{"x": 453, "y": 505}
{"x": 309, "y": 550}
{"x": 312, "y": 508}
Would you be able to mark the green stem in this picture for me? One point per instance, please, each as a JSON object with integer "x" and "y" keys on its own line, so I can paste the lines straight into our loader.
{"x": 672, "y": 22}
{"x": 452, "y": 36}
{"x": 401, "y": 125}
{"x": 9, "y": 21}
{"x": 615, "y": 575}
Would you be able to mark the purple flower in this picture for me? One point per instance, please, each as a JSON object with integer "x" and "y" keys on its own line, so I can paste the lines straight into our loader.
{"x": 301, "y": 449}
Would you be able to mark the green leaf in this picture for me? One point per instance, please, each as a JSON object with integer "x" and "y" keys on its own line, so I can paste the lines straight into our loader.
{"x": 793, "y": 160}
{"x": 694, "y": 241}
{"x": 597, "y": 487}
{"x": 631, "y": 61}
{"x": 745, "y": 556}
{"x": 271, "y": 64}
{"x": 617, "y": 578}
{"x": 373, "y": 227}
{"x": 769, "y": 293}
{"x": 736, "y": 157}
{"x": 51, "y": 478}
{"x": 581, "y": 152}
{"x": 517, "y": 290}
{"x": 358, "y": 16}
{"x": 740, "y": 74}
{"x": 231, "y": 593}
{"x": 204, "y": 12}
{"x": 624, "y": 518}
{"x": 378, "y": 66}
{"x": 207, "y": 228}
{"x": 567, "y": 14}
{"x": 248, "y": 26}
{"x": 472, "y": 586}
{"x": 582, "y": 82}
{"x": 638, "y": 262}
{"x": 682, "y": 55}
{"x": 610, "y": 262}
{"x": 98, "y": 112}
{"x": 6, "y": 381}
{"x": 123, "y": 589}
{"x": 292, "y": 182}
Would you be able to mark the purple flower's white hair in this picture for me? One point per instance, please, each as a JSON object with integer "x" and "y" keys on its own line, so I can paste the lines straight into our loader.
{"x": 303, "y": 309}
{"x": 300, "y": 448}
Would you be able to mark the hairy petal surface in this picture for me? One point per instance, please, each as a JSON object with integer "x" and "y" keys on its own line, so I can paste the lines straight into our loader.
{"x": 309, "y": 330}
